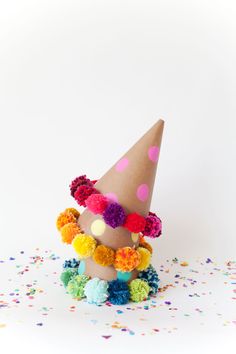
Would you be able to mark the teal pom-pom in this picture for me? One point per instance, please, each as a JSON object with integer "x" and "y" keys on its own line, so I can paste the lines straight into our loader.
{"x": 76, "y": 286}
{"x": 67, "y": 275}
{"x": 151, "y": 276}
{"x": 96, "y": 291}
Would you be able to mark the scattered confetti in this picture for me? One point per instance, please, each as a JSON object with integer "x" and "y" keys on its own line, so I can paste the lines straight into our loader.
{"x": 184, "y": 294}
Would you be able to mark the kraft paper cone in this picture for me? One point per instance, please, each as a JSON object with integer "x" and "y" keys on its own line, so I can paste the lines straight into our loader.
{"x": 130, "y": 182}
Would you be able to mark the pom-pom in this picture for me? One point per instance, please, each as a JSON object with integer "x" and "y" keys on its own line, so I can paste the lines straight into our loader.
{"x": 126, "y": 259}
{"x": 67, "y": 275}
{"x": 69, "y": 231}
{"x": 145, "y": 244}
{"x": 114, "y": 215}
{"x": 134, "y": 222}
{"x": 145, "y": 257}
{"x": 104, "y": 255}
{"x": 84, "y": 245}
{"x": 79, "y": 181}
{"x": 96, "y": 203}
{"x": 71, "y": 263}
{"x": 118, "y": 292}
{"x": 64, "y": 218}
{"x": 82, "y": 193}
{"x": 153, "y": 226}
{"x": 139, "y": 290}
{"x": 73, "y": 211}
{"x": 96, "y": 291}
{"x": 76, "y": 286}
{"x": 151, "y": 276}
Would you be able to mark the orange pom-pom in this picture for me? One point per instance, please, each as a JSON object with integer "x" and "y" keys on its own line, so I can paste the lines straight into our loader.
{"x": 69, "y": 231}
{"x": 64, "y": 218}
{"x": 145, "y": 244}
{"x": 127, "y": 259}
{"x": 104, "y": 255}
{"x": 73, "y": 211}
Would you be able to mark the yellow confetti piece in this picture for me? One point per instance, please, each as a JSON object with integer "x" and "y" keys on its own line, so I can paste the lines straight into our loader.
{"x": 184, "y": 264}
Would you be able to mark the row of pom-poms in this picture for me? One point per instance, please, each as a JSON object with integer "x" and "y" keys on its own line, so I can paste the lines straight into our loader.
{"x": 124, "y": 259}
{"x": 117, "y": 292}
{"x": 85, "y": 194}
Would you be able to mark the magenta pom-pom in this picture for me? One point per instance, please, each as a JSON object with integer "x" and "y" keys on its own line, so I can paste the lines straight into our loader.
{"x": 114, "y": 215}
{"x": 96, "y": 203}
{"x": 82, "y": 193}
{"x": 79, "y": 181}
{"x": 153, "y": 226}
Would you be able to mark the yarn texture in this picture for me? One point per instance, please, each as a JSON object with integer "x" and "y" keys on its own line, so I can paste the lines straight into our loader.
{"x": 118, "y": 292}
{"x": 76, "y": 286}
{"x": 84, "y": 245}
{"x": 139, "y": 290}
{"x": 96, "y": 291}
{"x": 126, "y": 259}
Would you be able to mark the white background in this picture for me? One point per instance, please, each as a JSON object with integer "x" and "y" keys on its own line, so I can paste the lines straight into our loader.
{"x": 81, "y": 81}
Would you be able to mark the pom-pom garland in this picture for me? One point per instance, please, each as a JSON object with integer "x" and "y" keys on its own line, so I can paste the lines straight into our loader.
{"x": 96, "y": 203}
{"x": 96, "y": 291}
{"x": 76, "y": 286}
{"x": 64, "y": 218}
{"x": 114, "y": 215}
{"x": 79, "y": 181}
{"x": 127, "y": 259}
{"x": 84, "y": 192}
{"x": 151, "y": 276}
{"x": 134, "y": 222}
{"x": 84, "y": 245}
{"x": 118, "y": 292}
{"x": 139, "y": 290}
{"x": 69, "y": 231}
{"x": 104, "y": 255}
{"x": 145, "y": 257}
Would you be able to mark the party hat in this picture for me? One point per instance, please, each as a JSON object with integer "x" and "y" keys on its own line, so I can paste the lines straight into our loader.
{"x": 108, "y": 236}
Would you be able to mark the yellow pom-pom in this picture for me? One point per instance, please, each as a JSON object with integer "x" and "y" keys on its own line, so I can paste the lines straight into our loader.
{"x": 145, "y": 257}
{"x": 104, "y": 255}
{"x": 73, "y": 211}
{"x": 127, "y": 259}
{"x": 145, "y": 244}
{"x": 69, "y": 231}
{"x": 84, "y": 245}
{"x": 64, "y": 218}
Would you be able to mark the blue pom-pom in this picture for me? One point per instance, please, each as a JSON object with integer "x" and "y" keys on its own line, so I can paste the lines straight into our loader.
{"x": 118, "y": 292}
{"x": 96, "y": 291}
{"x": 151, "y": 276}
{"x": 71, "y": 263}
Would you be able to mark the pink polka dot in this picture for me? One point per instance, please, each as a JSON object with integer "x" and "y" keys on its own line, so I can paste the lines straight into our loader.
{"x": 112, "y": 197}
{"x": 122, "y": 164}
{"x": 153, "y": 153}
{"x": 142, "y": 192}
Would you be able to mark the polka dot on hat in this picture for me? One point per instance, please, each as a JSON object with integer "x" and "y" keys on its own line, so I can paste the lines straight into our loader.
{"x": 142, "y": 192}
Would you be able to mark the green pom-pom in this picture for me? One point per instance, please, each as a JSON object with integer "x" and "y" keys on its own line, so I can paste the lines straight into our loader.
{"x": 67, "y": 275}
{"x": 139, "y": 290}
{"x": 76, "y": 286}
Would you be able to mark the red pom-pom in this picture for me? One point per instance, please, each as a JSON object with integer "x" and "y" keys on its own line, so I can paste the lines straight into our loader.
{"x": 82, "y": 193}
{"x": 134, "y": 222}
{"x": 79, "y": 181}
{"x": 96, "y": 203}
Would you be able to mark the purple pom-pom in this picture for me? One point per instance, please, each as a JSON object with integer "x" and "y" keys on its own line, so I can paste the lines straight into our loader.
{"x": 114, "y": 215}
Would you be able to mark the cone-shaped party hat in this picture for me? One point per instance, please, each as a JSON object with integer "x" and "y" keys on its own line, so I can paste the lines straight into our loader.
{"x": 129, "y": 182}
{"x": 109, "y": 235}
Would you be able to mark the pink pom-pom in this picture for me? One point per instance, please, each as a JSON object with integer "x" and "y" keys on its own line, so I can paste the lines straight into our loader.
{"x": 96, "y": 203}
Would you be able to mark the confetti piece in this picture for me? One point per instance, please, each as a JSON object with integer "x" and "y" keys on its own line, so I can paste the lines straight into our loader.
{"x": 106, "y": 337}
{"x": 184, "y": 264}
